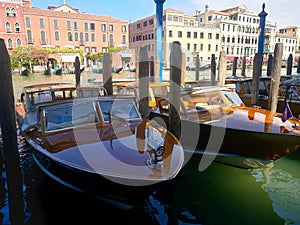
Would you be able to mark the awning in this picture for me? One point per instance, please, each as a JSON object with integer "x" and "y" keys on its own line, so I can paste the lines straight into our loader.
{"x": 230, "y": 58}
{"x": 69, "y": 58}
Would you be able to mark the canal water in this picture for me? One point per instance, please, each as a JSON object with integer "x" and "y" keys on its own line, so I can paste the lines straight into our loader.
{"x": 221, "y": 194}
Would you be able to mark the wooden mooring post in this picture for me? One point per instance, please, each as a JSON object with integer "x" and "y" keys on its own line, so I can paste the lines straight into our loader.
{"x": 289, "y": 65}
{"x": 269, "y": 66}
{"x": 107, "y": 74}
{"x": 9, "y": 136}
{"x": 213, "y": 69}
{"x": 152, "y": 77}
{"x": 276, "y": 73}
{"x": 197, "y": 68}
{"x": 77, "y": 71}
{"x": 175, "y": 81}
{"x": 222, "y": 68}
{"x": 255, "y": 78}
{"x": 234, "y": 66}
{"x": 143, "y": 82}
{"x": 243, "y": 73}
{"x": 298, "y": 66}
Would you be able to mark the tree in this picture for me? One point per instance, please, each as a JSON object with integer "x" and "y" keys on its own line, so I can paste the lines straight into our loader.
{"x": 28, "y": 56}
{"x": 21, "y": 57}
{"x": 40, "y": 55}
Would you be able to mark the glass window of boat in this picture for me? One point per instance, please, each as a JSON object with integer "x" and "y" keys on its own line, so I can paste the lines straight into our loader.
{"x": 247, "y": 86}
{"x": 291, "y": 91}
{"x": 118, "y": 110}
{"x": 160, "y": 91}
{"x": 233, "y": 98}
{"x": 205, "y": 100}
{"x": 67, "y": 116}
{"x": 39, "y": 97}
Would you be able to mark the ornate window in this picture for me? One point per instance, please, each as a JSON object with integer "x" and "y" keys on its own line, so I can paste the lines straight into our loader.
{"x": 9, "y": 43}
{"x": 17, "y": 27}
{"x": 8, "y": 27}
{"x": 19, "y": 43}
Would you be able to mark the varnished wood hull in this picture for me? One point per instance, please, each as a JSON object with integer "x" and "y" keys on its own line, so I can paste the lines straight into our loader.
{"x": 243, "y": 144}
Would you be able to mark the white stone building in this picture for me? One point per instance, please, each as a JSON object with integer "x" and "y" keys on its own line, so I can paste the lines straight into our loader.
{"x": 239, "y": 31}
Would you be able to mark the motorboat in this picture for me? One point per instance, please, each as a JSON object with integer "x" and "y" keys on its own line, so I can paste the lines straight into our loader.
{"x": 216, "y": 122}
{"x": 288, "y": 91}
{"x": 96, "y": 143}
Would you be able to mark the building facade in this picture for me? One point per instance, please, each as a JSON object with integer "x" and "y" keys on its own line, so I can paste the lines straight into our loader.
{"x": 290, "y": 37}
{"x": 239, "y": 31}
{"x": 194, "y": 39}
{"x": 66, "y": 27}
{"x": 59, "y": 27}
{"x": 12, "y": 28}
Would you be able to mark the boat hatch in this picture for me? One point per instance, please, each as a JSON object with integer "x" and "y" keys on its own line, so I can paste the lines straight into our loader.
{"x": 69, "y": 115}
{"x": 118, "y": 110}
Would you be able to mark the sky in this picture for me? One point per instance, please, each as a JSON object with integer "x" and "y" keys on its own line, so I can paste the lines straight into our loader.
{"x": 283, "y": 13}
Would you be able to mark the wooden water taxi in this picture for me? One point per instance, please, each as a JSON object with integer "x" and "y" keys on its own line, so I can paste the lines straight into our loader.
{"x": 215, "y": 121}
{"x": 288, "y": 91}
{"x": 99, "y": 145}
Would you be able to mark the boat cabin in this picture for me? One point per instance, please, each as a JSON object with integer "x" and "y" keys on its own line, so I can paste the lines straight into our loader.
{"x": 41, "y": 93}
{"x": 99, "y": 112}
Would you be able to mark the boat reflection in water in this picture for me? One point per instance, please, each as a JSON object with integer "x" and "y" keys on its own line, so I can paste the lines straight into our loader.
{"x": 224, "y": 194}
{"x": 97, "y": 145}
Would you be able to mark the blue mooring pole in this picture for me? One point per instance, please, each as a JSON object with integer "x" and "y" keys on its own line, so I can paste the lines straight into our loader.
{"x": 262, "y": 24}
{"x": 159, "y": 36}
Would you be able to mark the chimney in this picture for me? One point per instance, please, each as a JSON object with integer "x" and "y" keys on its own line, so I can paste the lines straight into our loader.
{"x": 206, "y": 8}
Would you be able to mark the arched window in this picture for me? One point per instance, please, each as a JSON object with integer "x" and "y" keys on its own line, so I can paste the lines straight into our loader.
{"x": 56, "y": 36}
{"x": 70, "y": 36}
{"x": 10, "y": 43}
{"x": 86, "y": 36}
{"x": 76, "y": 36}
{"x": 17, "y": 27}
{"x": 43, "y": 37}
{"x": 29, "y": 37}
{"x": 111, "y": 40}
{"x": 8, "y": 27}
{"x": 13, "y": 12}
{"x": 19, "y": 43}
{"x": 7, "y": 10}
{"x": 81, "y": 38}
{"x": 124, "y": 39}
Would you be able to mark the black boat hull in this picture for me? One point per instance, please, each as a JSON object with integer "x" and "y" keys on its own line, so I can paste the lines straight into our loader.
{"x": 228, "y": 142}
{"x": 93, "y": 184}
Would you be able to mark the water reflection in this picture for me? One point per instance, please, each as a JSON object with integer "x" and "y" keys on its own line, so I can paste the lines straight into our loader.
{"x": 227, "y": 195}
{"x": 281, "y": 181}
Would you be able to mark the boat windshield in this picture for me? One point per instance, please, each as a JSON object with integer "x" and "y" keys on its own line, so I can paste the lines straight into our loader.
{"x": 212, "y": 100}
{"x": 233, "y": 98}
{"x": 71, "y": 115}
{"x": 118, "y": 110}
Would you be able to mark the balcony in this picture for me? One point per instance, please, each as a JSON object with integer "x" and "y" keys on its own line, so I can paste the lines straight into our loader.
{"x": 81, "y": 43}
